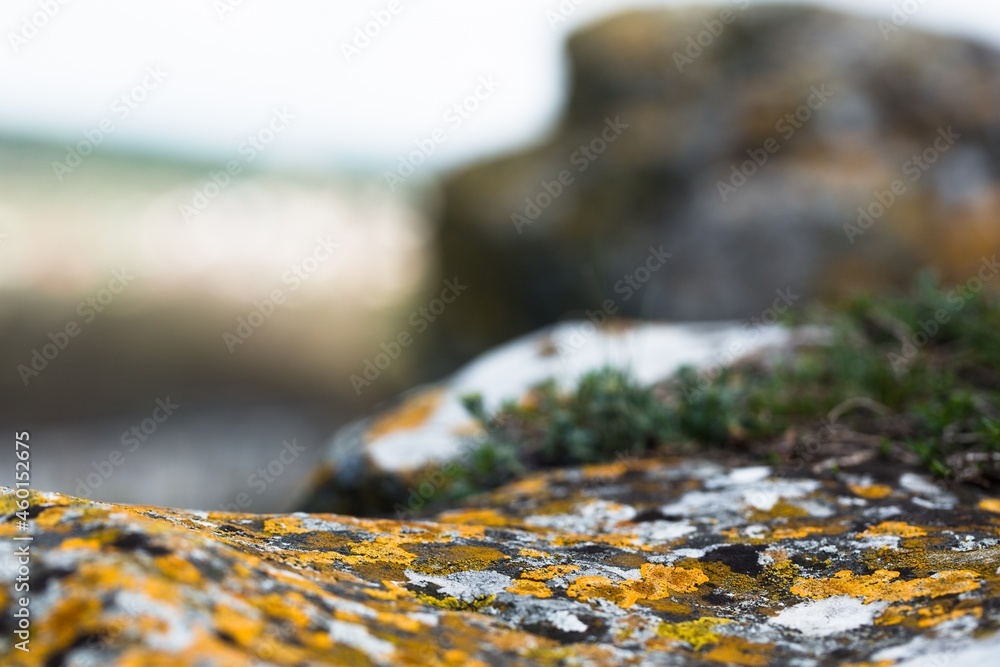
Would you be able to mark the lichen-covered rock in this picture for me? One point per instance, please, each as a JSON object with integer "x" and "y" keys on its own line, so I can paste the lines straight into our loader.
{"x": 378, "y": 463}
{"x": 641, "y": 562}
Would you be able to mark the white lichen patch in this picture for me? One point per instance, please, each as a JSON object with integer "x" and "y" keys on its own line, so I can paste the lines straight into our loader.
{"x": 592, "y": 517}
{"x": 878, "y": 542}
{"x": 730, "y": 502}
{"x": 739, "y": 477}
{"x": 467, "y": 586}
{"x": 357, "y": 636}
{"x": 927, "y": 493}
{"x": 567, "y": 622}
{"x": 657, "y": 532}
{"x": 176, "y": 630}
{"x": 830, "y": 616}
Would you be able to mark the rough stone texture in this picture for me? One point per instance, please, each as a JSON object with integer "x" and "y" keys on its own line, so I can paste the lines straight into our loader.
{"x": 378, "y": 463}
{"x": 658, "y": 182}
{"x": 641, "y": 562}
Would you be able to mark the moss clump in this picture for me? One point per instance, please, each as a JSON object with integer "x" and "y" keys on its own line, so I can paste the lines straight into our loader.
{"x": 607, "y": 414}
{"x": 914, "y": 379}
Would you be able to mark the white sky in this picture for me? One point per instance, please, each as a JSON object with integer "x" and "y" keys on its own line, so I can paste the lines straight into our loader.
{"x": 226, "y": 75}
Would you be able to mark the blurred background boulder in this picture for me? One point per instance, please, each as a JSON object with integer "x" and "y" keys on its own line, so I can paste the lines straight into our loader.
{"x": 767, "y": 149}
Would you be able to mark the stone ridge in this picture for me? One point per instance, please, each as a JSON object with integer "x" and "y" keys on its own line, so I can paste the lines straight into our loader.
{"x": 643, "y": 562}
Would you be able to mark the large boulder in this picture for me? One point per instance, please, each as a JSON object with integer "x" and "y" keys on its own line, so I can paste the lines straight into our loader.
{"x": 764, "y": 148}
{"x": 646, "y": 562}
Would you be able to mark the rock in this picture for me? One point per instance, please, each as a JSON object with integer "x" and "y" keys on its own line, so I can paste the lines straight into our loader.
{"x": 640, "y": 562}
{"x": 379, "y": 463}
{"x": 743, "y": 150}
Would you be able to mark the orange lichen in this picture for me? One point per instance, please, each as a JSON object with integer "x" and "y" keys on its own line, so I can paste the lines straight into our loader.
{"x": 240, "y": 626}
{"x": 177, "y": 569}
{"x": 603, "y": 470}
{"x": 525, "y": 587}
{"x": 590, "y": 587}
{"x": 49, "y": 517}
{"x": 657, "y": 582}
{"x": 93, "y": 542}
{"x": 929, "y": 616}
{"x": 410, "y": 414}
{"x": 619, "y": 540}
{"x": 871, "y": 491}
{"x": 480, "y": 517}
{"x": 529, "y": 486}
{"x": 797, "y": 532}
{"x": 739, "y": 651}
{"x": 896, "y": 528}
{"x": 284, "y": 525}
{"x": 532, "y": 553}
{"x": 883, "y": 585}
{"x": 990, "y": 505}
{"x": 549, "y": 572}
{"x": 390, "y": 591}
{"x": 448, "y": 558}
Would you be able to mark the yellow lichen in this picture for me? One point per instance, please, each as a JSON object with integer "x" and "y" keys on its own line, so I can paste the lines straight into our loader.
{"x": 780, "y": 510}
{"x": 722, "y": 576}
{"x": 882, "y": 585}
{"x": 697, "y": 633}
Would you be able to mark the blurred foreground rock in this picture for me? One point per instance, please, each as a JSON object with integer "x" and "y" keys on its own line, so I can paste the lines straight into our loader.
{"x": 765, "y": 148}
{"x": 639, "y": 562}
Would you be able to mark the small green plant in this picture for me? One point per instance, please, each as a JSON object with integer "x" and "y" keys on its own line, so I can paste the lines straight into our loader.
{"x": 925, "y": 368}
{"x": 606, "y": 414}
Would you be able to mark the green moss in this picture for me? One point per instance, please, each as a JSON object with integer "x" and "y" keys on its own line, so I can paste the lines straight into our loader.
{"x": 606, "y": 415}
{"x": 915, "y": 378}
